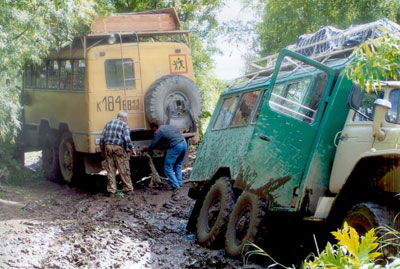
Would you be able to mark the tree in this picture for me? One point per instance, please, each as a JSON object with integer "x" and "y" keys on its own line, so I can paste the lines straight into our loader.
{"x": 283, "y": 21}
{"x": 375, "y": 60}
{"x": 28, "y": 31}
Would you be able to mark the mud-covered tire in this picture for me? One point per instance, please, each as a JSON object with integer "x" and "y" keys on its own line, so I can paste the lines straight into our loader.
{"x": 365, "y": 216}
{"x": 50, "y": 157}
{"x": 243, "y": 223}
{"x": 173, "y": 90}
{"x": 68, "y": 159}
{"x": 214, "y": 213}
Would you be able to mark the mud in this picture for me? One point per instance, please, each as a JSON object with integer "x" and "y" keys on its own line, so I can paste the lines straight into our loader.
{"x": 50, "y": 225}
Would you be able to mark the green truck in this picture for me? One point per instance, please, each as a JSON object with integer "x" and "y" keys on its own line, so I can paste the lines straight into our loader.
{"x": 298, "y": 138}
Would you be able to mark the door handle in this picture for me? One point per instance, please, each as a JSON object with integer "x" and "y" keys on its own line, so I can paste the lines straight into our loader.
{"x": 263, "y": 137}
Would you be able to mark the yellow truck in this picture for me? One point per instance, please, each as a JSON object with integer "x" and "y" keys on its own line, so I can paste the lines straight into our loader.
{"x": 137, "y": 62}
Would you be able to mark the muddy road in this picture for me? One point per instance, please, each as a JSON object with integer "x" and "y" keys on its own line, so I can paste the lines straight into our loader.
{"x": 48, "y": 225}
{"x": 51, "y": 225}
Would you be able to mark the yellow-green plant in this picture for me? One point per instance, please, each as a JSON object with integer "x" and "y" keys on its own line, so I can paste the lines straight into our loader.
{"x": 351, "y": 251}
{"x": 375, "y": 60}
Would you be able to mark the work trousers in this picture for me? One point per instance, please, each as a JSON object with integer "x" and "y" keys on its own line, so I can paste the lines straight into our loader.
{"x": 117, "y": 158}
{"x": 173, "y": 164}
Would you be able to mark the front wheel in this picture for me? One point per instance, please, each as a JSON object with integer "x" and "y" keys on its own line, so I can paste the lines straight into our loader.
{"x": 68, "y": 158}
{"x": 214, "y": 213}
{"x": 365, "y": 216}
{"x": 243, "y": 223}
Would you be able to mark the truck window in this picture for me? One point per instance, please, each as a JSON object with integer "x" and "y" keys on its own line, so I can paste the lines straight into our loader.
{"x": 245, "y": 109}
{"x": 299, "y": 99}
{"x": 65, "y": 74}
{"x": 366, "y": 110}
{"x": 53, "y": 74}
{"x": 393, "y": 113}
{"x": 118, "y": 75}
{"x": 41, "y": 76}
{"x": 29, "y": 77}
{"x": 259, "y": 106}
{"x": 225, "y": 113}
{"x": 79, "y": 68}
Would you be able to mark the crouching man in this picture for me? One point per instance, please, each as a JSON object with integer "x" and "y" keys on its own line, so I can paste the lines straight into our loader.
{"x": 170, "y": 138}
{"x": 116, "y": 145}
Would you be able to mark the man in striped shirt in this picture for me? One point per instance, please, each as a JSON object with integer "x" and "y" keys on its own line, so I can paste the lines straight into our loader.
{"x": 116, "y": 145}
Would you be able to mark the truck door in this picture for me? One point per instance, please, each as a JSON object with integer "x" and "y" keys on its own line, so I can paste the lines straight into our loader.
{"x": 287, "y": 124}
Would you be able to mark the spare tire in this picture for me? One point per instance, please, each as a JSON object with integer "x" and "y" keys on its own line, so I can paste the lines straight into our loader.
{"x": 175, "y": 100}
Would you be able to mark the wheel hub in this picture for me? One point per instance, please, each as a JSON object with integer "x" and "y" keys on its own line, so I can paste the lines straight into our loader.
{"x": 213, "y": 212}
{"x": 175, "y": 102}
{"x": 243, "y": 224}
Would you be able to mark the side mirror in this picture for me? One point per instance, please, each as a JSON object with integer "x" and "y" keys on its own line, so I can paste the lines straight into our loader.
{"x": 381, "y": 108}
{"x": 355, "y": 97}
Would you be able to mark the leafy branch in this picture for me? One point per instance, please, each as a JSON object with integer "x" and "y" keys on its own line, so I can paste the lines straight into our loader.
{"x": 375, "y": 60}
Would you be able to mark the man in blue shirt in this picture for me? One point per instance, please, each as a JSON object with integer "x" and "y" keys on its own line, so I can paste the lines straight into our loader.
{"x": 116, "y": 144}
{"x": 170, "y": 138}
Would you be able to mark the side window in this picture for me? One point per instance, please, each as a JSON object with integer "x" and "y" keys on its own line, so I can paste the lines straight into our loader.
{"x": 260, "y": 104}
{"x": 245, "y": 109}
{"x": 41, "y": 76}
{"x": 226, "y": 112}
{"x": 366, "y": 110}
{"x": 120, "y": 74}
{"x": 393, "y": 113}
{"x": 29, "y": 75}
{"x": 53, "y": 74}
{"x": 65, "y": 74}
{"x": 78, "y": 81}
{"x": 299, "y": 99}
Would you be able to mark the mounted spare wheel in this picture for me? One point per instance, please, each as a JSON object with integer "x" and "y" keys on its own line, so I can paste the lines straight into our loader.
{"x": 174, "y": 100}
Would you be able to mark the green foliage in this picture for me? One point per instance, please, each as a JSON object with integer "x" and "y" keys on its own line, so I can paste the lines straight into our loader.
{"x": 10, "y": 109}
{"x": 283, "y": 21}
{"x": 350, "y": 252}
{"x": 210, "y": 88}
{"x": 374, "y": 60}
{"x": 13, "y": 172}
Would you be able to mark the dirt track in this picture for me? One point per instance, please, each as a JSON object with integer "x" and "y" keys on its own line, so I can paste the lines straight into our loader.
{"x": 48, "y": 225}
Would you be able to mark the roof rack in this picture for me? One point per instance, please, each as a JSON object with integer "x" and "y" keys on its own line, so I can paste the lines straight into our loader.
{"x": 325, "y": 44}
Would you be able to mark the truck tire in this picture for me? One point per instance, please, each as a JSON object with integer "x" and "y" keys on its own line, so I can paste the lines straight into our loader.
{"x": 173, "y": 98}
{"x": 214, "y": 213}
{"x": 243, "y": 223}
{"x": 50, "y": 158}
{"x": 68, "y": 160}
{"x": 365, "y": 216}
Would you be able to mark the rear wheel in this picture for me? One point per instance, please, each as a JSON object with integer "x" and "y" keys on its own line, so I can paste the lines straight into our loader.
{"x": 50, "y": 158}
{"x": 214, "y": 213}
{"x": 68, "y": 159}
{"x": 243, "y": 223}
